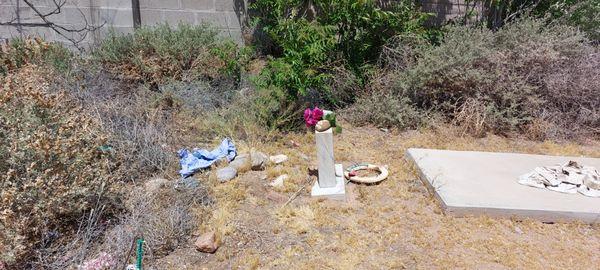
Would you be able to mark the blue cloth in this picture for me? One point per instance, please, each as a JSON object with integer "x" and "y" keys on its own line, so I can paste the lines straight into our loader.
{"x": 192, "y": 162}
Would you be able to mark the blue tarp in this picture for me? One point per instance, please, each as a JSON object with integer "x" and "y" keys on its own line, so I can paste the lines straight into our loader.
{"x": 191, "y": 162}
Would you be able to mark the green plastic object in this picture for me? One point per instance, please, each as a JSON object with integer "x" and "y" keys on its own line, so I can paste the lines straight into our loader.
{"x": 140, "y": 253}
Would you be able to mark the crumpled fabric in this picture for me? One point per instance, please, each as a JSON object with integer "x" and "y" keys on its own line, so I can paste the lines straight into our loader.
{"x": 198, "y": 159}
{"x": 567, "y": 178}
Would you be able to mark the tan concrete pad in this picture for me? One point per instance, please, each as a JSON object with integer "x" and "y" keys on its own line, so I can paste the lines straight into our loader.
{"x": 476, "y": 183}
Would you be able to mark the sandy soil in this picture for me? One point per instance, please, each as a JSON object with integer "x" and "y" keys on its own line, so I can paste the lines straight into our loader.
{"x": 396, "y": 224}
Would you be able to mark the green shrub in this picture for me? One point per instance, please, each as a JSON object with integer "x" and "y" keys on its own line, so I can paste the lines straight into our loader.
{"x": 499, "y": 81}
{"x": 19, "y": 52}
{"x": 53, "y": 165}
{"x": 315, "y": 41}
{"x": 157, "y": 54}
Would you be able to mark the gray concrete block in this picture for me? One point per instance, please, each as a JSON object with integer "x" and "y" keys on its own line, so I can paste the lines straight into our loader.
{"x": 161, "y": 4}
{"x": 119, "y": 4}
{"x": 8, "y": 2}
{"x": 198, "y": 4}
{"x": 214, "y": 19}
{"x": 74, "y": 15}
{"x": 115, "y": 17}
{"x": 224, "y": 5}
{"x": 151, "y": 16}
{"x": 232, "y": 20}
{"x": 484, "y": 183}
{"x": 176, "y": 17}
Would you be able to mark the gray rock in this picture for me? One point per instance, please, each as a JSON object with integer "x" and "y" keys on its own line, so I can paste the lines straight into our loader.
{"x": 259, "y": 160}
{"x": 240, "y": 162}
{"x": 226, "y": 174}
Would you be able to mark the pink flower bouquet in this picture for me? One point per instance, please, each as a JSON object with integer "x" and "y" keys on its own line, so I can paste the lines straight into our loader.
{"x": 311, "y": 117}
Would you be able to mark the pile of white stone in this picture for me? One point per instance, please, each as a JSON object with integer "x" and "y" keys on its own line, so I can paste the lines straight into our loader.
{"x": 567, "y": 178}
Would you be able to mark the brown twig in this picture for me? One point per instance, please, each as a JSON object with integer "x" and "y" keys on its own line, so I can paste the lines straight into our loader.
{"x": 297, "y": 192}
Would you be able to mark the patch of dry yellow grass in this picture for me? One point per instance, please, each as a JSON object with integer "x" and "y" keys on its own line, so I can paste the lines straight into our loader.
{"x": 396, "y": 224}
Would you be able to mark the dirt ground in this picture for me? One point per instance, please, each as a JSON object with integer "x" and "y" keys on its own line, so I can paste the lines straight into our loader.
{"x": 396, "y": 224}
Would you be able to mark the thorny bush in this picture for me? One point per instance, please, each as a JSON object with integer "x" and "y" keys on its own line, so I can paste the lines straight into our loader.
{"x": 52, "y": 164}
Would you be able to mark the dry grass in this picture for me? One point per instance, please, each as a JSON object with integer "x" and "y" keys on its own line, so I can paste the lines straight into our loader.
{"x": 393, "y": 225}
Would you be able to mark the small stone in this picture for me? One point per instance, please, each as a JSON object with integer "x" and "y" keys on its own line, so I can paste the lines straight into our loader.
{"x": 207, "y": 243}
{"x": 322, "y": 125}
{"x": 277, "y": 159}
{"x": 385, "y": 130}
{"x": 278, "y": 182}
{"x": 241, "y": 162}
{"x": 259, "y": 160}
{"x": 155, "y": 184}
{"x": 226, "y": 174}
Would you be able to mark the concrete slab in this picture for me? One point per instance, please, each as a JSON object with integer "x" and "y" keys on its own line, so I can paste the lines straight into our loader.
{"x": 485, "y": 183}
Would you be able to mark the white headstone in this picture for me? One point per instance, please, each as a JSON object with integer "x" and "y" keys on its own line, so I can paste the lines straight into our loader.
{"x": 331, "y": 182}
{"x": 325, "y": 158}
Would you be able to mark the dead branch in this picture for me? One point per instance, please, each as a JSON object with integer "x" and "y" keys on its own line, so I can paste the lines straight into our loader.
{"x": 75, "y": 35}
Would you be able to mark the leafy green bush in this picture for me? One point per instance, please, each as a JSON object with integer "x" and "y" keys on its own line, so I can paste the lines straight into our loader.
{"x": 52, "y": 163}
{"x": 315, "y": 40}
{"x": 500, "y": 81}
{"x": 157, "y": 54}
{"x": 18, "y": 52}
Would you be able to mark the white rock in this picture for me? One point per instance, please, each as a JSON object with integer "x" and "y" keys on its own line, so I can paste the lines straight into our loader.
{"x": 278, "y": 158}
{"x": 278, "y": 182}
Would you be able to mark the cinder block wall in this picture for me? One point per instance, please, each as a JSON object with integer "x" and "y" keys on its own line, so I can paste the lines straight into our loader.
{"x": 446, "y": 10}
{"x": 117, "y": 14}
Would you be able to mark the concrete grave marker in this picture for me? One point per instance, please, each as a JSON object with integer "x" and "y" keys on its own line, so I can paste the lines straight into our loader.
{"x": 331, "y": 182}
{"x": 476, "y": 183}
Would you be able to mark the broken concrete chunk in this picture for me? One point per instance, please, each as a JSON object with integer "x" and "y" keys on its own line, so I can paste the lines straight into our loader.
{"x": 278, "y": 182}
{"x": 226, "y": 174}
{"x": 207, "y": 243}
{"x": 277, "y": 159}
{"x": 259, "y": 160}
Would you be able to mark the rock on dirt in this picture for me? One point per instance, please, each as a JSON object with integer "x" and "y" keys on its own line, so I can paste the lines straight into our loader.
{"x": 207, "y": 243}
{"x": 259, "y": 160}
{"x": 226, "y": 174}
{"x": 277, "y": 159}
{"x": 241, "y": 162}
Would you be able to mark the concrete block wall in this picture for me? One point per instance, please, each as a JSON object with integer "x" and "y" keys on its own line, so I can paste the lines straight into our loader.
{"x": 117, "y": 15}
{"x": 446, "y": 10}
